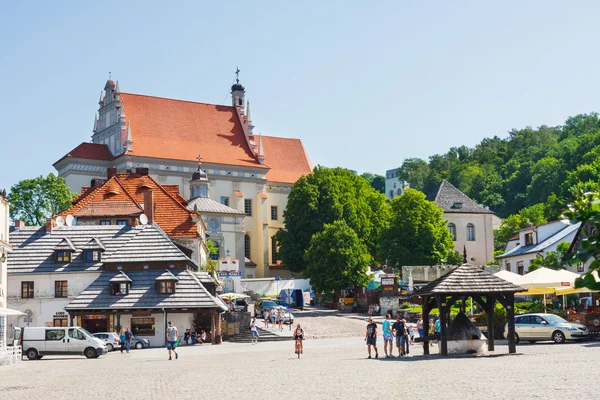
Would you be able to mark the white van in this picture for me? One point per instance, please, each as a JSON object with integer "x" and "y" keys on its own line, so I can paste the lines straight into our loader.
{"x": 38, "y": 342}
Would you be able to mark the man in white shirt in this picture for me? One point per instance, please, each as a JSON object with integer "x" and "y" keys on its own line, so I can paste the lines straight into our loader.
{"x": 172, "y": 334}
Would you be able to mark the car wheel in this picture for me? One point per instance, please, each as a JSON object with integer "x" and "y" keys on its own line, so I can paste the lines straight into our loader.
{"x": 110, "y": 347}
{"x": 139, "y": 345}
{"x": 90, "y": 353}
{"x": 32, "y": 354}
{"x": 558, "y": 337}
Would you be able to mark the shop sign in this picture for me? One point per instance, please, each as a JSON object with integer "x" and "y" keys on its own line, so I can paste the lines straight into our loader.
{"x": 389, "y": 285}
{"x": 141, "y": 313}
{"x": 95, "y": 317}
{"x": 230, "y": 273}
{"x": 60, "y": 314}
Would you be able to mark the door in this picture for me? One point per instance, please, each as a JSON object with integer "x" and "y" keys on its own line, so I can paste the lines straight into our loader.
{"x": 543, "y": 330}
{"x": 76, "y": 342}
{"x": 523, "y": 327}
{"x": 56, "y": 341}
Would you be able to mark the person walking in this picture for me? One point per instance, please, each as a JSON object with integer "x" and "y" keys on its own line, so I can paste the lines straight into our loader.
{"x": 387, "y": 336}
{"x": 406, "y": 338}
{"x": 254, "y": 331}
{"x": 398, "y": 331}
{"x": 172, "y": 334}
{"x": 186, "y": 336}
{"x": 371, "y": 337}
{"x": 122, "y": 339}
{"x": 431, "y": 331}
{"x": 128, "y": 338}
{"x": 420, "y": 325}
{"x": 266, "y": 317}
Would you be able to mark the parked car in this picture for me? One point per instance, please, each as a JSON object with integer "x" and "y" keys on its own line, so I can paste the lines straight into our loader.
{"x": 288, "y": 317}
{"x": 539, "y": 327}
{"x": 38, "y": 342}
{"x": 139, "y": 343}
{"x": 110, "y": 338}
{"x": 262, "y": 304}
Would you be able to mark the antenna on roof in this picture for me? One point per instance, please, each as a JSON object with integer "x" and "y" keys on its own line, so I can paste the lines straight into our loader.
{"x": 60, "y": 221}
{"x": 70, "y": 220}
{"x": 143, "y": 219}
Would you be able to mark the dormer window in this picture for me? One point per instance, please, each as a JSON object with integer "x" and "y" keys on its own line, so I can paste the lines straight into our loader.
{"x": 92, "y": 250}
{"x": 120, "y": 284}
{"x": 166, "y": 282}
{"x": 457, "y": 205}
{"x": 528, "y": 239}
{"x": 63, "y": 256}
{"x": 166, "y": 287}
{"x": 92, "y": 255}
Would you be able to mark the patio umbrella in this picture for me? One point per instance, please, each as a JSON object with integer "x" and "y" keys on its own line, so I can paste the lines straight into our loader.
{"x": 8, "y": 311}
{"x": 545, "y": 281}
{"x": 508, "y": 276}
{"x": 231, "y": 296}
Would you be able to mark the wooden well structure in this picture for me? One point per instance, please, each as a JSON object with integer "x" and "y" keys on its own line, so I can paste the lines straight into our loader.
{"x": 459, "y": 284}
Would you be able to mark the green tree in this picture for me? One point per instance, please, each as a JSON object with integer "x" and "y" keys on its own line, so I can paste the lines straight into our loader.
{"x": 336, "y": 259}
{"x": 35, "y": 200}
{"x": 325, "y": 196}
{"x": 376, "y": 181}
{"x": 414, "y": 171}
{"x": 417, "y": 234}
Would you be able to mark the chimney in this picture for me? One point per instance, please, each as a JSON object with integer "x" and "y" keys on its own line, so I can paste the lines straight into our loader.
{"x": 49, "y": 225}
{"x": 149, "y": 205}
{"x": 110, "y": 172}
{"x": 141, "y": 171}
{"x": 19, "y": 223}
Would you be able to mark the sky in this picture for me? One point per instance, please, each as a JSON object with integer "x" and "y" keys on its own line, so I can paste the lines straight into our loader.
{"x": 363, "y": 84}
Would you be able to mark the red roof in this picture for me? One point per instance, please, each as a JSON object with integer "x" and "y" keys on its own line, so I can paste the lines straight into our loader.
{"x": 92, "y": 151}
{"x": 123, "y": 195}
{"x": 181, "y": 130}
{"x": 287, "y": 158}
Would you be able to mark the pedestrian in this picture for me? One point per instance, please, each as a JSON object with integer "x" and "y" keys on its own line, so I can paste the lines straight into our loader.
{"x": 280, "y": 319}
{"x": 438, "y": 330}
{"x": 411, "y": 333}
{"x": 398, "y": 331}
{"x": 128, "y": 338}
{"x": 273, "y": 316}
{"x": 406, "y": 338}
{"x": 254, "y": 331}
{"x": 172, "y": 334}
{"x": 266, "y": 318}
{"x": 354, "y": 306}
{"x": 186, "y": 336}
{"x": 122, "y": 339}
{"x": 387, "y": 336}
{"x": 431, "y": 330}
{"x": 371, "y": 337}
{"x": 420, "y": 325}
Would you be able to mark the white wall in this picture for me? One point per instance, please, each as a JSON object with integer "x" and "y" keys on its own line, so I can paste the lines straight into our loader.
{"x": 481, "y": 250}
{"x": 4, "y": 216}
{"x": 182, "y": 321}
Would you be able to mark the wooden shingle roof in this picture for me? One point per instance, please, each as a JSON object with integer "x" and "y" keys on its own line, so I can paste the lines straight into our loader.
{"x": 468, "y": 279}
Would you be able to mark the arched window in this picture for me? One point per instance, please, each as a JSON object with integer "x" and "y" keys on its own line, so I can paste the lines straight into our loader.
{"x": 399, "y": 192}
{"x": 240, "y": 101}
{"x": 452, "y": 229}
{"x": 215, "y": 255}
{"x": 247, "y": 246}
{"x": 470, "y": 232}
{"x": 391, "y": 194}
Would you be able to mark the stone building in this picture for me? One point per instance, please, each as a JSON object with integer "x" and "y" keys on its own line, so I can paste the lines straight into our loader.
{"x": 394, "y": 186}
{"x": 248, "y": 172}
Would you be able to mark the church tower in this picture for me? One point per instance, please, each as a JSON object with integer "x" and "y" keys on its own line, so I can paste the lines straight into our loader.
{"x": 199, "y": 183}
{"x": 110, "y": 125}
{"x": 237, "y": 95}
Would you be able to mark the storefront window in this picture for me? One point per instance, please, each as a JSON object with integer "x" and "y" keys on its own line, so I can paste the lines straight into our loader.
{"x": 61, "y": 322}
{"x": 143, "y": 326}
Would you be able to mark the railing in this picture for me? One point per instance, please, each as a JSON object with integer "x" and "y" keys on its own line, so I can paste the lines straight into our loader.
{"x": 10, "y": 355}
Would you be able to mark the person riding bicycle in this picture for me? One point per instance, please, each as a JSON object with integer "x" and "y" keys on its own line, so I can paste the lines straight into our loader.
{"x": 298, "y": 338}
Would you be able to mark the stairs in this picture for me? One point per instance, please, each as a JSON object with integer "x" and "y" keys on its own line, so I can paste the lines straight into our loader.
{"x": 265, "y": 336}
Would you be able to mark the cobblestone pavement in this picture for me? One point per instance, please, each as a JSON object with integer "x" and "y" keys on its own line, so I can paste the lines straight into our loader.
{"x": 328, "y": 369}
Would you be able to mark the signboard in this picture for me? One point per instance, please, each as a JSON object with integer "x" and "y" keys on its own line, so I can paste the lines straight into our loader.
{"x": 389, "y": 285}
{"x": 60, "y": 314}
{"x": 388, "y": 281}
{"x": 565, "y": 284}
{"x": 141, "y": 313}
{"x": 230, "y": 273}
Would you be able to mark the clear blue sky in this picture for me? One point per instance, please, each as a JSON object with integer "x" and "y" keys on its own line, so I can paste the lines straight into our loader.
{"x": 363, "y": 84}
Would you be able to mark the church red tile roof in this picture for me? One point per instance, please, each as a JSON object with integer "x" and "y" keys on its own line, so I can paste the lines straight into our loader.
{"x": 92, "y": 151}
{"x": 287, "y": 158}
{"x": 124, "y": 193}
{"x": 180, "y": 130}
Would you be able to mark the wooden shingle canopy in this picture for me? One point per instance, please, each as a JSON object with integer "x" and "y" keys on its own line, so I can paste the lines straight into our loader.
{"x": 459, "y": 284}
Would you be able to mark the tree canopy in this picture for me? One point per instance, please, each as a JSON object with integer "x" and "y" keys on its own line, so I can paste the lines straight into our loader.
{"x": 323, "y": 197}
{"x": 376, "y": 181}
{"x": 417, "y": 234}
{"x": 336, "y": 259}
{"x": 37, "y": 199}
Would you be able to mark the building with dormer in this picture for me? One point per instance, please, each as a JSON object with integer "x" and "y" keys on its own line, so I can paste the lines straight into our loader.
{"x": 247, "y": 172}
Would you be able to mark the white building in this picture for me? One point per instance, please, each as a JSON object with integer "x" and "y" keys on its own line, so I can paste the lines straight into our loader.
{"x": 5, "y": 248}
{"x": 471, "y": 224}
{"x": 248, "y": 172}
{"x": 394, "y": 186}
{"x": 532, "y": 241}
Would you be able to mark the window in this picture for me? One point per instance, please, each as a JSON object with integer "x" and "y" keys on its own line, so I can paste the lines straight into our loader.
{"x": 273, "y": 250}
{"x": 63, "y": 256}
{"x": 143, "y": 326}
{"x": 76, "y": 334}
{"x": 61, "y": 288}
{"x": 215, "y": 256}
{"x": 247, "y": 246}
{"x": 391, "y": 194}
{"x": 105, "y": 222}
{"x": 248, "y": 207}
{"x": 580, "y": 267}
{"x": 452, "y": 229}
{"x": 225, "y": 201}
{"x": 166, "y": 287}
{"x": 60, "y": 322}
{"x": 520, "y": 268}
{"x": 119, "y": 289}
{"x": 203, "y": 191}
{"x": 55, "y": 334}
{"x": 528, "y": 239}
{"x": 470, "y": 232}
{"x": 92, "y": 255}
{"x": 274, "y": 213}
{"x": 121, "y": 222}
{"x": 27, "y": 290}
{"x": 508, "y": 267}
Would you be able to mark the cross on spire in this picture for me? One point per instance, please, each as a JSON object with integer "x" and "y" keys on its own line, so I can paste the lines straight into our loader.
{"x": 199, "y": 158}
{"x": 109, "y": 76}
{"x": 237, "y": 74}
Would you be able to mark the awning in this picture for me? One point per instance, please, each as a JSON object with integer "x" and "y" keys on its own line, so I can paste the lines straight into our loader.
{"x": 8, "y": 311}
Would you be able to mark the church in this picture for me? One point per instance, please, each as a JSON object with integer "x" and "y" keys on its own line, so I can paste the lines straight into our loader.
{"x": 246, "y": 171}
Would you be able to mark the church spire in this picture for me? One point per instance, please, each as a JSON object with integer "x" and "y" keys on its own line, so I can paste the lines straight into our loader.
{"x": 101, "y": 101}
{"x": 238, "y": 92}
{"x": 95, "y": 123}
{"x": 128, "y": 140}
{"x": 261, "y": 153}
{"x": 249, "y": 118}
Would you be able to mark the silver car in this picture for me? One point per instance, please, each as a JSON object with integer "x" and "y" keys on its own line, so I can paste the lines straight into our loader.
{"x": 539, "y": 327}
{"x": 110, "y": 339}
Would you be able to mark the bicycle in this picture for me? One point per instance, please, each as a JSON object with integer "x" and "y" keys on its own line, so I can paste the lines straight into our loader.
{"x": 298, "y": 346}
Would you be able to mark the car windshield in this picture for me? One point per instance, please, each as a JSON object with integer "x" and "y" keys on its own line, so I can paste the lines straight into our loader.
{"x": 268, "y": 304}
{"x": 554, "y": 319}
{"x": 85, "y": 332}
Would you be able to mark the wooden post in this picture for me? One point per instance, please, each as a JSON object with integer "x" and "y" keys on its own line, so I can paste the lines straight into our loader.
{"x": 426, "y": 324}
{"x": 213, "y": 335}
{"x": 510, "y": 315}
{"x": 441, "y": 300}
{"x": 491, "y": 303}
